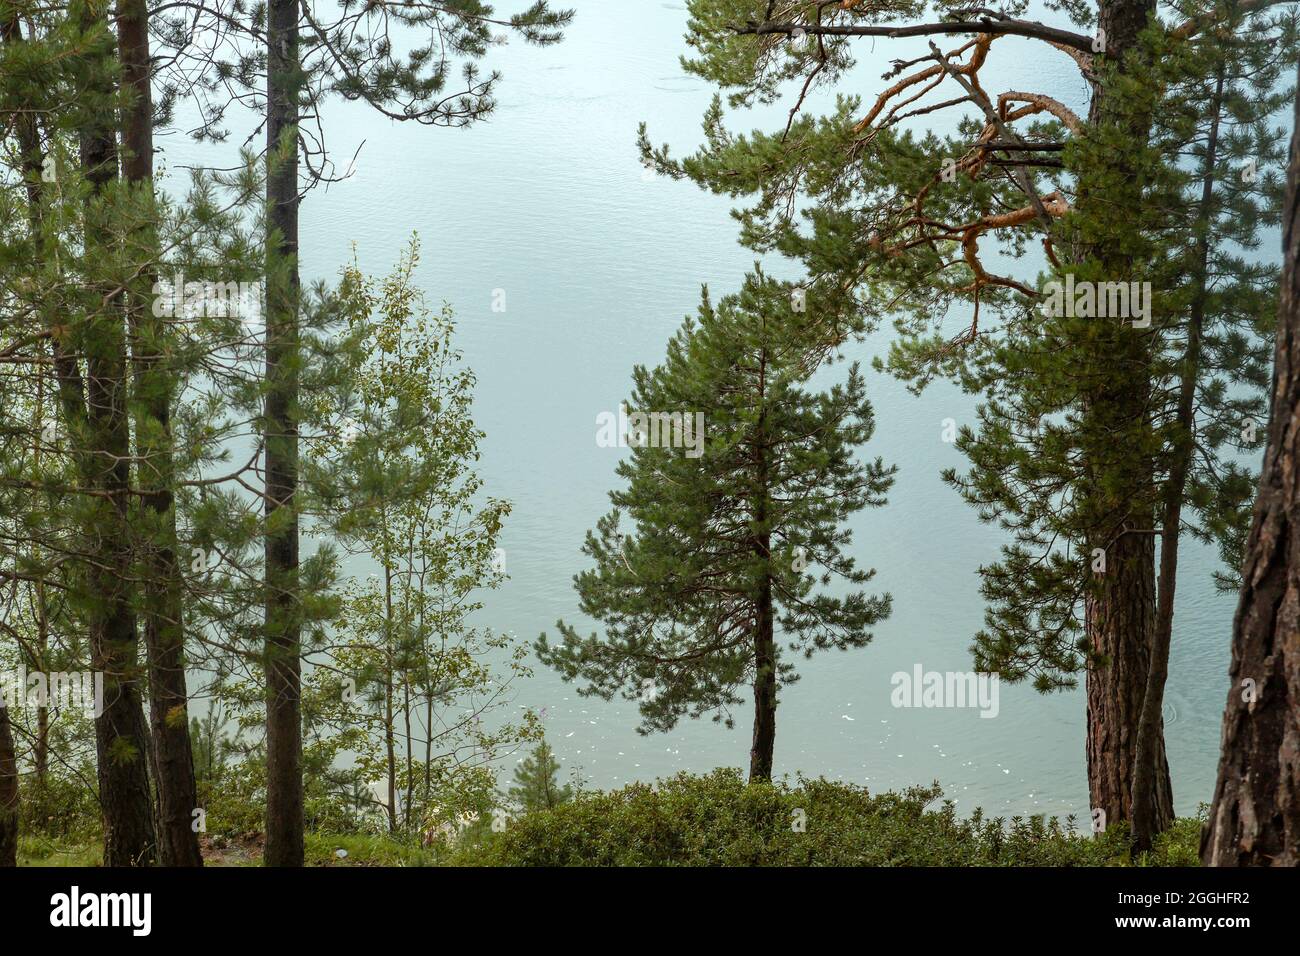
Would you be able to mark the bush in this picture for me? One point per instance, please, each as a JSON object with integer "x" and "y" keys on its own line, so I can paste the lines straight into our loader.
{"x": 63, "y": 806}
{"x": 235, "y": 798}
{"x": 719, "y": 820}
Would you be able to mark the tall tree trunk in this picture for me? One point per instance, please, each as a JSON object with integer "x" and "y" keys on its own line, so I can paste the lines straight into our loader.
{"x": 1146, "y": 814}
{"x": 164, "y": 632}
{"x": 121, "y": 740}
{"x": 284, "y": 800}
{"x": 428, "y": 746}
{"x": 760, "y": 754}
{"x": 1121, "y": 609}
{"x": 410, "y": 753}
{"x": 70, "y": 386}
{"x": 390, "y": 723}
{"x": 1120, "y": 624}
{"x": 30, "y": 163}
{"x": 8, "y": 792}
{"x": 41, "y": 746}
{"x": 1255, "y": 814}
{"x": 40, "y": 652}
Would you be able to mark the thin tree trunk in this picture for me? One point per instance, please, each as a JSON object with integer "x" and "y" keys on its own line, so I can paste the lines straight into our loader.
{"x": 30, "y": 163}
{"x": 410, "y": 756}
{"x": 760, "y": 754}
{"x": 1255, "y": 815}
{"x": 284, "y": 800}
{"x": 8, "y": 793}
{"x": 428, "y": 747}
{"x": 390, "y": 730}
{"x": 164, "y": 631}
{"x": 1146, "y": 814}
{"x": 121, "y": 739}
{"x": 41, "y": 746}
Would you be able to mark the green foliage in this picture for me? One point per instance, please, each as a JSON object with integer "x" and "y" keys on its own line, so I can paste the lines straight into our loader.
{"x": 1180, "y": 845}
{"x": 1079, "y": 427}
{"x": 737, "y": 522}
{"x": 44, "y": 850}
{"x": 235, "y": 799}
{"x": 537, "y": 786}
{"x": 402, "y": 680}
{"x": 718, "y": 820}
{"x": 63, "y": 806}
{"x": 713, "y": 819}
{"x": 414, "y": 62}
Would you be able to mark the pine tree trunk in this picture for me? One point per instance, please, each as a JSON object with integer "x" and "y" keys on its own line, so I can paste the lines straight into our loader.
{"x": 284, "y": 799}
{"x": 8, "y": 793}
{"x": 164, "y": 631}
{"x": 1146, "y": 813}
{"x": 41, "y": 746}
{"x": 760, "y": 754}
{"x": 122, "y": 743}
{"x": 1121, "y": 609}
{"x": 30, "y": 162}
{"x": 1120, "y": 624}
{"x": 1255, "y": 814}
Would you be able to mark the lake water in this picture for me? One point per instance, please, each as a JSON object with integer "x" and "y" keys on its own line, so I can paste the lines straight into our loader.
{"x": 548, "y": 202}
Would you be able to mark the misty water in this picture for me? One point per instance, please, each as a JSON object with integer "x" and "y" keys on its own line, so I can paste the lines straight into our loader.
{"x": 599, "y": 261}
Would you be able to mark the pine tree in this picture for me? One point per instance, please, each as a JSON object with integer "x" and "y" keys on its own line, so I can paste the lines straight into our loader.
{"x": 536, "y": 786}
{"x": 89, "y": 367}
{"x": 100, "y": 417}
{"x": 156, "y": 383}
{"x": 306, "y": 59}
{"x": 280, "y": 430}
{"x": 1212, "y": 371}
{"x": 738, "y": 486}
{"x": 1076, "y": 449}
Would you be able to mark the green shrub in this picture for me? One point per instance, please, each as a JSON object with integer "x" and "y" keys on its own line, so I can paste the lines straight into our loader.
{"x": 63, "y": 806}
{"x": 235, "y": 798}
{"x": 719, "y": 820}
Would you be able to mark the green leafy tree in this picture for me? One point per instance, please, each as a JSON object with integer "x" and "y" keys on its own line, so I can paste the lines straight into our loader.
{"x": 737, "y": 516}
{"x": 405, "y": 679}
{"x": 408, "y": 62}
